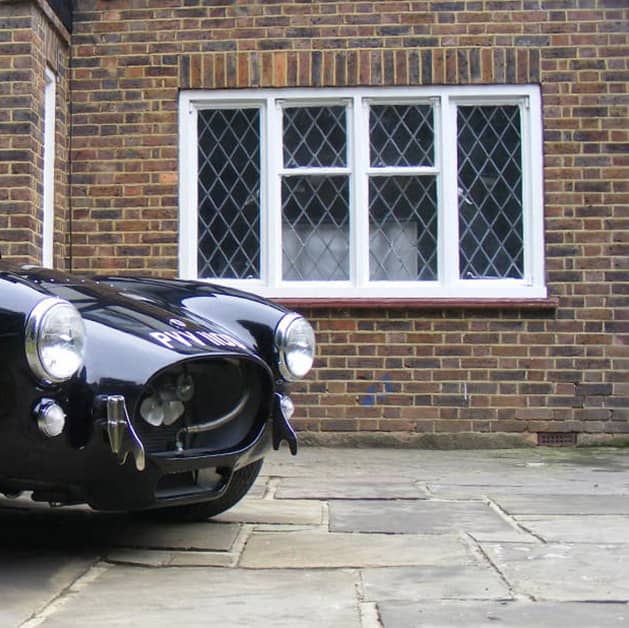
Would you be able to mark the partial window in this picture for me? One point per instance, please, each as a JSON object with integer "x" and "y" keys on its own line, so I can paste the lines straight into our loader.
{"x": 390, "y": 193}
{"x": 48, "y": 196}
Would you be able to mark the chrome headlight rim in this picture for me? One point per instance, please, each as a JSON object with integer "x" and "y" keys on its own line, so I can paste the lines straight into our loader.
{"x": 282, "y": 346}
{"x": 35, "y": 328}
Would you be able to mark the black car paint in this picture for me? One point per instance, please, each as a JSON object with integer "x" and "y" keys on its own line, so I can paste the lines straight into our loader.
{"x": 120, "y": 316}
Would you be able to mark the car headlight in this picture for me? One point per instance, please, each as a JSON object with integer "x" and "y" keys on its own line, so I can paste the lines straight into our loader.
{"x": 55, "y": 340}
{"x": 295, "y": 344}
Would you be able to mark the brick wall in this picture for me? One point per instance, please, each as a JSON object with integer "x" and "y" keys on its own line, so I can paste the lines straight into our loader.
{"x": 426, "y": 371}
{"x": 485, "y": 371}
{"x": 31, "y": 39}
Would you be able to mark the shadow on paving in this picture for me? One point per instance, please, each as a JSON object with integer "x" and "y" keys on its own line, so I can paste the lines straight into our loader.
{"x": 29, "y": 527}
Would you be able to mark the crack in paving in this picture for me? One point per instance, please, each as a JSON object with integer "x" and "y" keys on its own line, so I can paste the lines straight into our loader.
{"x": 512, "y": 520}
{"x": 477, "y": 549}
{"x": 370, "y": 615}
{"x": 92, "y": 573}
{"x": 271, "y": 487}
{"x": 368, "y": 609}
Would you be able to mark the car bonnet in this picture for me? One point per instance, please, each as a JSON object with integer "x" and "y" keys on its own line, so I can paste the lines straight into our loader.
{"x": 131, "y": 336}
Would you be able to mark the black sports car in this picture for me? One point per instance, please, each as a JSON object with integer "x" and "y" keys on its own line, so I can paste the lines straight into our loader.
{"x": 139, "y": 393}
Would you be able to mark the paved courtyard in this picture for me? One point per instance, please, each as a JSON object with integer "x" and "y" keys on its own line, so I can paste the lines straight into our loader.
{"x": 361, "y": 538}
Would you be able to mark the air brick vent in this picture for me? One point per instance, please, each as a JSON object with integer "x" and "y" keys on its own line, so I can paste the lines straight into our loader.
{"x": 557, "y": 439}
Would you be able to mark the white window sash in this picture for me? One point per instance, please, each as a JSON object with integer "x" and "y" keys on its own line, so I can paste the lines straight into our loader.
{"x": 445, "y": 101}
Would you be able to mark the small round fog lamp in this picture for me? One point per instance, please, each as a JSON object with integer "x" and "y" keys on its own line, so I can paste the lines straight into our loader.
{"x": 51, "y": 419}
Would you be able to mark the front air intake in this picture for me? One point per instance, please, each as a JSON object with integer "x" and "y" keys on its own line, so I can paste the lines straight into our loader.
{"x": 212, "y": 405}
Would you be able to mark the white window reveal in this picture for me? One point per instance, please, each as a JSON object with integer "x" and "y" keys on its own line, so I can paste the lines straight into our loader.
{"x": 364, "y": 193}
{"x": 48, "y": 197}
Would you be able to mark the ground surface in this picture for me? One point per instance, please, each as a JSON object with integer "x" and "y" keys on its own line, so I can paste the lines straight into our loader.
{"x": 350, "y": 538}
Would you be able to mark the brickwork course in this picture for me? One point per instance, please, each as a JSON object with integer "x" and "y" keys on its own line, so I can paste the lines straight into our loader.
{"x": 426, "y": 372}
{"x": 31, "y": 38}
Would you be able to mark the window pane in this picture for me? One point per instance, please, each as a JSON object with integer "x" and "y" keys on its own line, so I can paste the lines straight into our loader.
{"x": 315, "y": 228}
{"x": 402, "y": 228}
{"x": 401, "y": 135}
{"x": 315, "y": 137}
{"x": 491, "y": 243}
{"x": 229, "y": 193}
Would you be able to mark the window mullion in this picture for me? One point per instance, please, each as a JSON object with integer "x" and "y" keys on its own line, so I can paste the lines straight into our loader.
{"x": 448, "y": 202}
{"x": 360, "y": 197}
{"x": 273, "y": 179}
{"x": 188, "y": 191}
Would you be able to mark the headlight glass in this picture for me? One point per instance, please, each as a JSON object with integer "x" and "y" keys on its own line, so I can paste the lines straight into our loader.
{"x": 55, "y": 340}
{"x": 295, "y": 343}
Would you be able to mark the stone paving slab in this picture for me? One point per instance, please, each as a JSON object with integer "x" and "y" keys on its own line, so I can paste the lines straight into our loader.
{"x": 309, "y": 550}
{"x": 274, "y": 511}
{"x": 434, "y": 582}
{"x": 552, "y": 486}
{"x": 30, "y": 580}
{"x": 578, "y": 528}
{"x": 518, "y": 614}
{"x": 421, "y": 517}
{"x": 161, "y": 558}
{"x": 183, "y": 536}
{"x": 564, "y": 572}
{"x": 536, "y": 504}
{"x": 162, "y": 598}
{"x": 313, "y": 488}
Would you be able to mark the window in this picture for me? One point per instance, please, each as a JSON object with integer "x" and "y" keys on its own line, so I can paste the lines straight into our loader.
{"x": 48, "y": 200}
{"x": 364, "y": 193}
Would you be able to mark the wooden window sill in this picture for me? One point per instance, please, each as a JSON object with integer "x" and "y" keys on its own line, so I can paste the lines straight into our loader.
{"x": 421, "y": 304}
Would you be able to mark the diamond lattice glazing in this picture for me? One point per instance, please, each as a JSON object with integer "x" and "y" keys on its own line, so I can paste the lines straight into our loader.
{"x": 229, "y": 193}
{"x": 491, "y": 243}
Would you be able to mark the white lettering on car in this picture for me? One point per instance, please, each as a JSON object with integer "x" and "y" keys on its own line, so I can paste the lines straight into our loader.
{"x": 174, "y": 339}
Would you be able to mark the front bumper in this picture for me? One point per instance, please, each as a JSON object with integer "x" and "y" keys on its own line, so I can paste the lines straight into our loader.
{"x": 142, "y": 480}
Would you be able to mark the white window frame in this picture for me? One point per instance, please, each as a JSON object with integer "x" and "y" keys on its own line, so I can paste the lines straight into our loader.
{"x": 48, "y": 175}
{"x": 445, "y": 101}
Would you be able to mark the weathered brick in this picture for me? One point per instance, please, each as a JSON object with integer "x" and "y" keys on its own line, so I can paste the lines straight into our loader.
{"x": 414, "y": 370}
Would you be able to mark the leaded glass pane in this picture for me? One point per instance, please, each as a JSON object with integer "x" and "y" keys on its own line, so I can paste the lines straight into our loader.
{"x": 401, "y": 135}
{"x": 315, "y": 228}
{"x": 229, "y": 193}
{"x": 402, "y": 228}
{"x": 315, "y": 137}
{"x": 491, "y": 242}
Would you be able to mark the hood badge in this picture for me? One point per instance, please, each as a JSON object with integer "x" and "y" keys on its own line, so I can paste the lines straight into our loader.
{"x": 175, "y": 322}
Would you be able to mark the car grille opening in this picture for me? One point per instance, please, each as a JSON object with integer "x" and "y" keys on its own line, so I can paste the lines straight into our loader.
{"x": 222, "y": 387}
